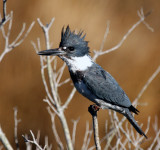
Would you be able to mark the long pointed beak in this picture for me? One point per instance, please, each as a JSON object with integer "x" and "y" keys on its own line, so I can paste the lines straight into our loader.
{"x": 55, "y": 52}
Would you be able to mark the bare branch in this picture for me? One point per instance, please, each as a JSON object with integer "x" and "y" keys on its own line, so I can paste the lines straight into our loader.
{"x": 46, "y": 30}
{"x": 116, "y": 120}
{"x": 5, "y": 16}
{"x": 10, "y": 24}
{"x": 51, "y": 106}
{"x": 49, "y": 147}
{"x": 87, "y": 137}
{"x": 155, "y": 125}
{"x": 9, "y": 47}
{"x": 35, "y": 46}
{"x": 19, "y": 35}
{"x": 146, "y": 85}
{"x": 4, "y": 10}
{"x": 103, "y": 42}
{"x": 69, "y": 98}
{"x": 60, "y": 72}
{"x": 142, "y": 17}
{"x": 33, "y": 141}
{"x": 28, "y": 145}
{"x": 4, "y": 140}
{"x": 54, "y": 86}
{"x": 16, "y": 121}
{"x": 57, "y": 138}
{"x": 154, "y": 141}
{"x": 105, "y": 36}
{"x": 50, "y": 71}
{"x": 44, "y": 81}
{"x": 93, "y": 111}
{"x": 64, "y": 82}
{"x": 43, "y": 66}
{"x": 38, "y": 138}
{"x": 15, "y": 43}
{"x": 75, "y": 122}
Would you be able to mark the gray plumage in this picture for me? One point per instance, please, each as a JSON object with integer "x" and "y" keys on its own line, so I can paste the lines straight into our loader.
{"x": 90, "y": 79}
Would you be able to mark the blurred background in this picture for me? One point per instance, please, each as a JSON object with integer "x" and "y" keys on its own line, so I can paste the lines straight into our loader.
{"x": 132, "y": 64}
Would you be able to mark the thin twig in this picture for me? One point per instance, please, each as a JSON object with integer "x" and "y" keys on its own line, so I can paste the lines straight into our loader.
{"x": 155, "y": 125}
{"x": 4, "y": 140}
{"x": 16, "y": 121}
{"x": 4, "y": 10}
{"x": 103, "y": 42}
{"x": 25, "y": 35}
{"x": 87, "y": 137}
{"x": 5, "y": 17}
{"x": 38, "y": 139}
{"x": 44, "y": 81}
{"x": 142, "y": 17}
{"x": 15, "y": 43}
{"x": 75, "y": 122}
{"x": 146, "y": 85}
{"x": 93, "y": 111}
{"x": 57, "y": 138}
{"x": 49, "y": 147}
{"x": 43, "y": 66}
{"x": 50, "y": 71}
{"x": 154, "y": 141}
{"x": 60, "y": 72}
{"x": 28, "y": 145}
{"x": 69, "y": 98}
{"x": 51, "y": 106}
{"x": 33, "y": 141}
{"x": 64, "y": 82}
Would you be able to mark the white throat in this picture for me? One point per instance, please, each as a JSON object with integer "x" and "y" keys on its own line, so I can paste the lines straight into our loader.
{"x": 79, "y": 63}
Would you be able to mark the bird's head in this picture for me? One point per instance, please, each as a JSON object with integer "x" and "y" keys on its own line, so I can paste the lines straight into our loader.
{"x": 71, "y": 45}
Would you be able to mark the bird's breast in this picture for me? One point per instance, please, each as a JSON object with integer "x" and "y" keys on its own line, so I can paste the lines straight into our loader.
{"x": 77, "y": 78}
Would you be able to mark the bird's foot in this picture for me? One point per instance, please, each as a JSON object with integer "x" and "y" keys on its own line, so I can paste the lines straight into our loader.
{"x": 95, "y": 107}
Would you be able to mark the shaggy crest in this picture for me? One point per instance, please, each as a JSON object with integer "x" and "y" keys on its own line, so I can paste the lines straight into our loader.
{"x": 69, "y": 38}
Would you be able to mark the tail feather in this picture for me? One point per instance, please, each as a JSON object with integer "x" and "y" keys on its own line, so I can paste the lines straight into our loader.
{"x": 131, "y": 119}
{"x": 133, "y": 109}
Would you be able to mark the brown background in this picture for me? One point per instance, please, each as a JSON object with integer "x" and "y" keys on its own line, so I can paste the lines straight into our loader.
{"x": 132, "y": 64}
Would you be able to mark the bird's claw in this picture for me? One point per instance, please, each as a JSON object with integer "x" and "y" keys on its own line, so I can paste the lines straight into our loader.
{"x": 95, "y": 107}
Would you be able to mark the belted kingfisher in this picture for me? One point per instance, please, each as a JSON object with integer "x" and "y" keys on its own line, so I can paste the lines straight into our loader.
{"x": 90, "y": 79}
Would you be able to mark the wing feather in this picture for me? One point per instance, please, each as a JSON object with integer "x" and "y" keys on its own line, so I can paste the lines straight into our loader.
{"x": 105, "y": 87}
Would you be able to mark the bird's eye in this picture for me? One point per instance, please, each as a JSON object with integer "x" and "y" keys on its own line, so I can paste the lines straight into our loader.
{"x": 71, "y": 48}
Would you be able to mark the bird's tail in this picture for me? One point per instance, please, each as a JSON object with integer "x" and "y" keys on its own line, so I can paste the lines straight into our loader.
{"x": 131, "y": 119}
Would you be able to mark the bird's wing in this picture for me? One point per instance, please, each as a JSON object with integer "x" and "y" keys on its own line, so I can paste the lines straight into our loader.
{"x": 105, "y": 87}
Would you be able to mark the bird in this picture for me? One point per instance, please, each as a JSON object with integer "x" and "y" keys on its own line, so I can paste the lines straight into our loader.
{"x": 89, "y": 78}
